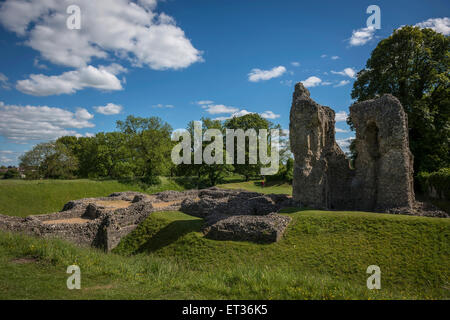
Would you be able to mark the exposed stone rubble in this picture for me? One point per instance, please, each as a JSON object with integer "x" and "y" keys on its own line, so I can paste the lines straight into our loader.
{"x": 382, "y": 180}
{"x": 260, "y": 229}
{"x": 233, "y": 202}
{"x": 102, "y": 222}
{"x": 240, "y": 215}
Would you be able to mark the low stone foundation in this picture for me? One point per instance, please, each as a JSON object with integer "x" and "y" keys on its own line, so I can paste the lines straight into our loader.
{"x": 103, "y": 222}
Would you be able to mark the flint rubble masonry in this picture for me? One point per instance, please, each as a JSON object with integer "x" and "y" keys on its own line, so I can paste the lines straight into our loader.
{"x": 382, "y": 180}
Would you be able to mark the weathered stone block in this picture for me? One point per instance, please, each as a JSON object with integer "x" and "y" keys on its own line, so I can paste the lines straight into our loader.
{"x": 260, "y": 229}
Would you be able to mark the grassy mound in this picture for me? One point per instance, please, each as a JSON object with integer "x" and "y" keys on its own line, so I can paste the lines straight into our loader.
{"x": 324, "y": 255}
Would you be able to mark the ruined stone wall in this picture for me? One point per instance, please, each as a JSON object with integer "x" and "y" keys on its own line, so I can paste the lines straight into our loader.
{"x": 384, "y": 165}
{"x": 382, "y": 179}
{"x": 321, "y": 170}
{"x": 103, "y": 222}
{"x": 99, "y": 222}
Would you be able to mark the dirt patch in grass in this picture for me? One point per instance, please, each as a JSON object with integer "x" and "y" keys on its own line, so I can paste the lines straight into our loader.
{"x": 115, "y": 204}
{"x": 104, "y": 287}
{"x": 24, "y": 260}
{"x": 69, "y": 221}
{"x": 165, "y": 204}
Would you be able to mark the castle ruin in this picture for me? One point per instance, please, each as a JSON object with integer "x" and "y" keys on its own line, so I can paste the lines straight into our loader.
{"x": 382, "y": 177}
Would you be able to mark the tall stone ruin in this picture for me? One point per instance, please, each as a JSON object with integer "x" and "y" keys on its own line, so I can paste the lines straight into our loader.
{"x": 384, "y": 164}
{"x": 321, "y": 169}
{"x": 382, "y": 177}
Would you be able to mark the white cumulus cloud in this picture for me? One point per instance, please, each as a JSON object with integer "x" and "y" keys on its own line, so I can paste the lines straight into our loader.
{"x": 203, "y": 102}
{"x": 260, "y": 75}
{"x": 341, "y": 116}
{"x": 109, "y": 109}
{"x": 219, "y": 108}
{"x": 109, "y": 29}
{"x": 312, "y": 82}
{"x": 69, "y": 82}
{"x": 345, "y": 143}
{"x": 8, "y": 156}
{"x": 362, "y": 36}
{"x": 441, "y": 25}
{"x": 30, "y": 123}
{"x": 349, "y": 72}
{"x": 269, "y": 115}
{"x": 237, "y": 114}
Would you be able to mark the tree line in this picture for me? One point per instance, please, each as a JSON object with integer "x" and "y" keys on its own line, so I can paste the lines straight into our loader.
{"x": 139, "y": 149}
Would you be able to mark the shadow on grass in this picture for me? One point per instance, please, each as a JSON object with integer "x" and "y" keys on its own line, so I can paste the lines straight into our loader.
{"x": 292, "y": 209}
{"x": 232, "y": 180}
{"x": 192, "y": 182}
{"x": 170, "y": 234}
{"x": 140, "y": 182}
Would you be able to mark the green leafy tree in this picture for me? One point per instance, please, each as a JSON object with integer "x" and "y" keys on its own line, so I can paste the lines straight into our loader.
{"x": 212, "y": 172}
{"x": 32, "y": 160}
{"x": 256, "y": 122}
{"x": 60, "y": 164}
{"x": 413, "y": 64}
{"x": 149, "y": 144}
{"x": 113, "y": 156}
{"x": 49, "y": 160}
{"x": 12, "y": 173}
{"x": 86, "y": 152}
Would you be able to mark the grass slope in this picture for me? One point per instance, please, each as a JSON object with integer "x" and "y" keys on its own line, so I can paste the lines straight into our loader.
{"x": 22, "y": 198}
{"x": 324, "y": 255}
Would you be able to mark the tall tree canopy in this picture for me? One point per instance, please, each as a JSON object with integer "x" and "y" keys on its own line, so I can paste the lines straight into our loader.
{"x": 256, "y": 122}
{"x": 246, "y": 122}
{"x": 213, "y": 172}
{"x": 413, "y": 64}
{"x": 49, "y": 160}
{"x": 150, "y": 144}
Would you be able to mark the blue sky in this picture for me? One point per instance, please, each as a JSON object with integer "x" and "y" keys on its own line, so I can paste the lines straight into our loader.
{"x": 181, "y": 60}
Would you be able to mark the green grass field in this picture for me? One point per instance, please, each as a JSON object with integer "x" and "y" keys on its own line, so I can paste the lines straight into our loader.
{"x": 278, "y": 188}
{"x": 22, "y": 198}
{"x": 323, "y": 255}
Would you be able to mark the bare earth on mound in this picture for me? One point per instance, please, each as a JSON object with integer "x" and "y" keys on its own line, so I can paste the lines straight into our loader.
{"x": 115, "y": 204}
{"x": 165, "y": 204}
{"x": 69, "y": 221}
